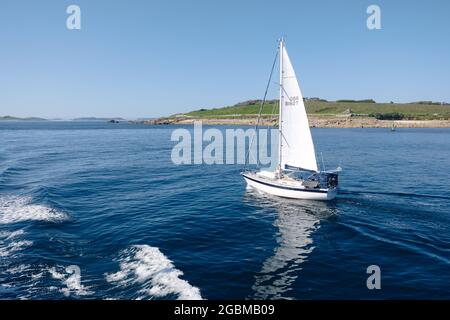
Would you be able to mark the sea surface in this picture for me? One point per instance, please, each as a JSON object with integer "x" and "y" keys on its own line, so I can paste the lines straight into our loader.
{"x": 92, "y": 210}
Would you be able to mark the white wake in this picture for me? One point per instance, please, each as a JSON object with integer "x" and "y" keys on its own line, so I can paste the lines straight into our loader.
{"x": 16, "y": 209}
{"x": 146, "y": 265}
{"x": 71, "y": 278}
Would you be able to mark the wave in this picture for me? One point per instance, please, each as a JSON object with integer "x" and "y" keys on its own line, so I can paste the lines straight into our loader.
{"x": 13, "y": 247}
{"x": 31, "y": 281}
{"x": 19, "y": 208}
{"x": 71, "y": 277}
{"x": 146, "y": 265}
{"x": 9, "y": 244}
{"x": 10, "y": 171}
{"x": 29, "y": 270}
{"x": 399, "y": 194}
{"x": 11, "y": 234}
{"x": 18, "y": 269}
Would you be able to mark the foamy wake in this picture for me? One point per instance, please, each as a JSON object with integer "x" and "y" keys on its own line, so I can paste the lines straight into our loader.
{"x": 34, "y": 279}
{"x": 71, "y": 278}
{"x": 146, "y": 265}
{"x": 10, "y": 244}
{"x": 16, "y": 209}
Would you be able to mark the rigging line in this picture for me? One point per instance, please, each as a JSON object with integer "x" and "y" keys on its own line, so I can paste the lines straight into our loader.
{"x": 260, "y": 111}
{"x": 271, "y": 119}
{"x": 284, "y": 138}
{"x": 323, "y": 163}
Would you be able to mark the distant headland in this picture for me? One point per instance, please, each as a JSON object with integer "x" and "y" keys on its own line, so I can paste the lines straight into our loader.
{"x": 11, "y": 118}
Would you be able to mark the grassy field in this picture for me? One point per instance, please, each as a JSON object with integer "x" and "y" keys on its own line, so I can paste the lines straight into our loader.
{"x": 396, "y": 111}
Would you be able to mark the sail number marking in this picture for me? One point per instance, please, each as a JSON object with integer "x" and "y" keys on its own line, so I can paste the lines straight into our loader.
{"x": 293, "y": 101}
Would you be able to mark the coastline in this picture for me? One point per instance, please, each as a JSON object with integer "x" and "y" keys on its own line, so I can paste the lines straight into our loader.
{"x": 314, "y": 122}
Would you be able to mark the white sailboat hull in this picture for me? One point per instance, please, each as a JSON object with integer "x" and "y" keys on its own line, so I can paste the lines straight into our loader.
{"x": 280, "y": 189}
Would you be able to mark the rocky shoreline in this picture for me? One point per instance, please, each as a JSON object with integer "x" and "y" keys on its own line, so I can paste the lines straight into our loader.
{"x": 314, "y": 121}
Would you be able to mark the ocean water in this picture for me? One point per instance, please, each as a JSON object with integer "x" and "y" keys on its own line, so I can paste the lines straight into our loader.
{"x": 90, "y": 210}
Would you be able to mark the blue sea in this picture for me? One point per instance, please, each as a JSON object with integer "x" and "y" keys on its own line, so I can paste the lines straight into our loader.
{"x": 92, "y": 210}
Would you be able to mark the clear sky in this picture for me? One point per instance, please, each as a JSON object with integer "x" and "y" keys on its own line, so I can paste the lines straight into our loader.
{"x": 151, "y": 58}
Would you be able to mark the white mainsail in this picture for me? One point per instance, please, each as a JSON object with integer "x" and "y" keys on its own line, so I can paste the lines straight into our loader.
{"x": 296, "y": 144}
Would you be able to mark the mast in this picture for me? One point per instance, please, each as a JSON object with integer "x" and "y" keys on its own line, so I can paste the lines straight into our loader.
{"x": 280, "y": 123}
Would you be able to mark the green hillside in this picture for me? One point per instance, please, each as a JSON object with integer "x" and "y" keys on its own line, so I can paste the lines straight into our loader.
{"x": 417, "y": 111}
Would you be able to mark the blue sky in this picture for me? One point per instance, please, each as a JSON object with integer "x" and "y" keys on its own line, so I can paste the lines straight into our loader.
{"x": 152, "y": 58}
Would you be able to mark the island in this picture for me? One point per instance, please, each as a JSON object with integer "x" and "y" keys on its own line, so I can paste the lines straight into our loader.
{"x": 324, "y": 114}
{"x": 11, "y": 118}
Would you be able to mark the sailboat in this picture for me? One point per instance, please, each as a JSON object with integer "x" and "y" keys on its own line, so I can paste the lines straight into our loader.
{"x": 296, "y": 175}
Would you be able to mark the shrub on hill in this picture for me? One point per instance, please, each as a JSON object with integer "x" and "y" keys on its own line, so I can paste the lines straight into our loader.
{"x": 388, "y": 116}
{"x": 357, "y": 101}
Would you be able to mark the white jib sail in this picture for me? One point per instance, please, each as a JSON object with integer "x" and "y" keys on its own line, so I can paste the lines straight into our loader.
{"x": 297, "y": 147}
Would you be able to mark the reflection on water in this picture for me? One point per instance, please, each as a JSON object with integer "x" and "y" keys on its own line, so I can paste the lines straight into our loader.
{"x": 296, "y": 221}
